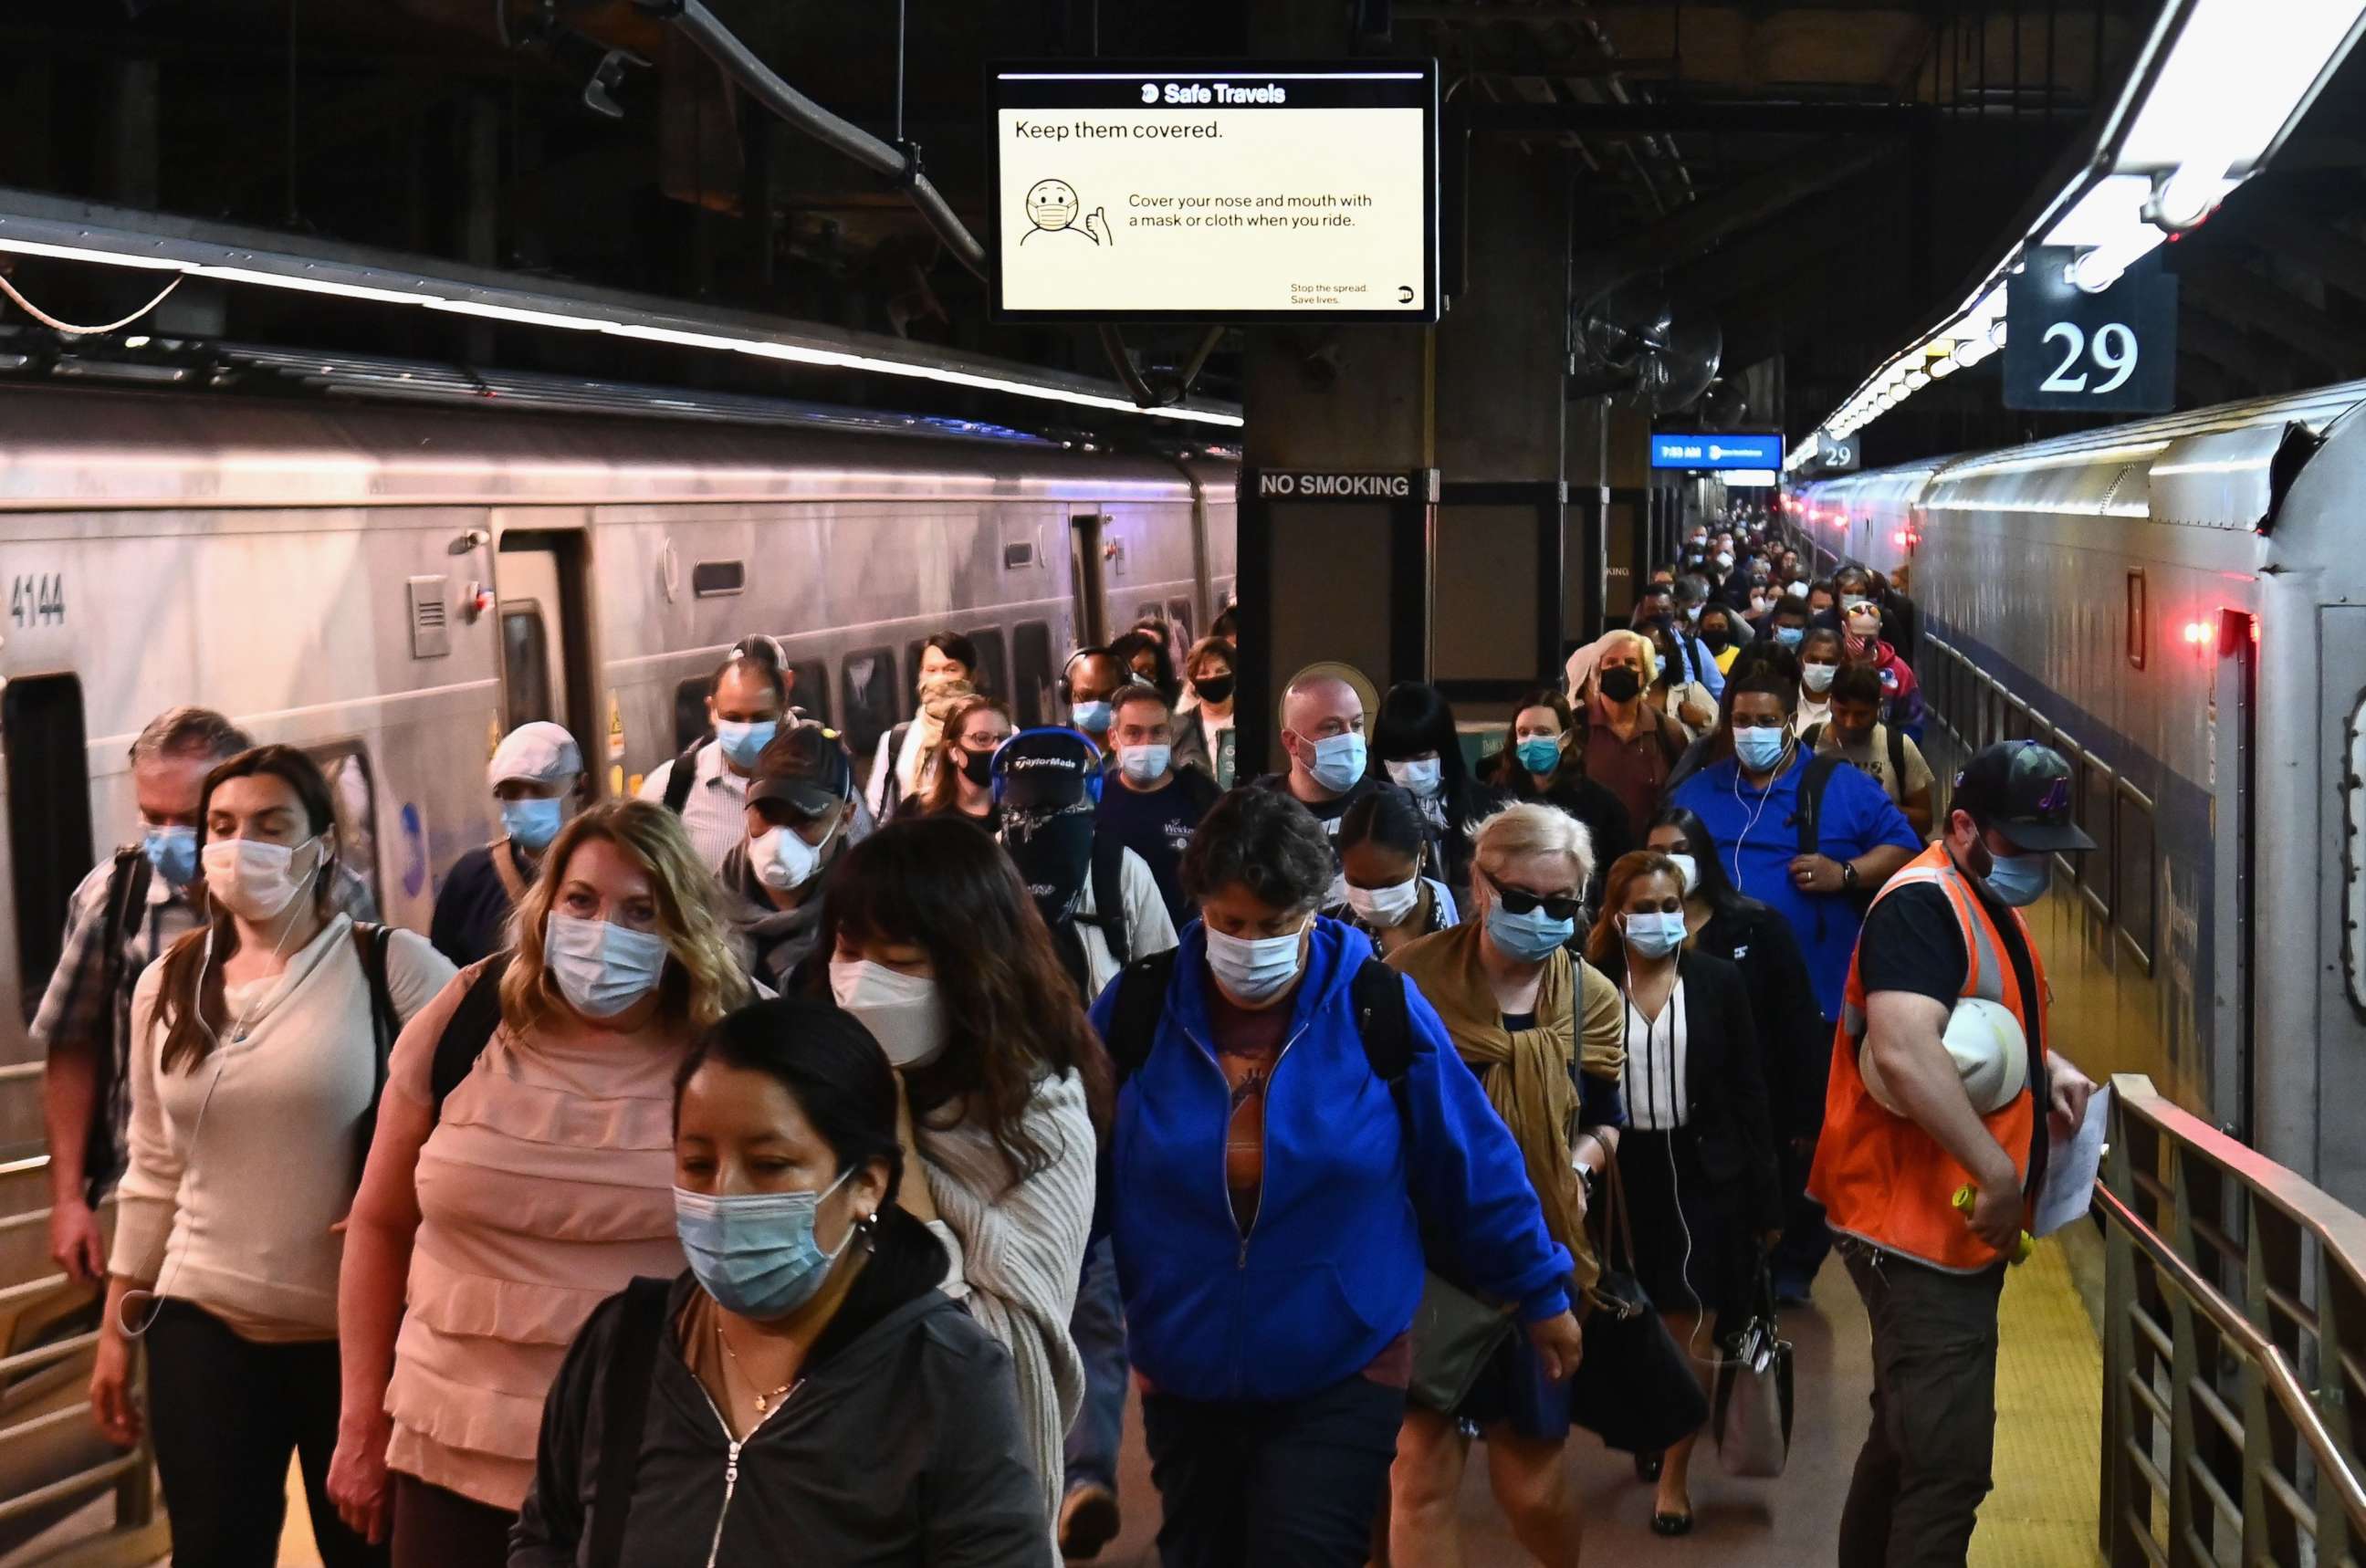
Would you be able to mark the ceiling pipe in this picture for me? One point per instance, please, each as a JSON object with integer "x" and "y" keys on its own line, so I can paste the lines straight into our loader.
{"x": 900, "y": 164}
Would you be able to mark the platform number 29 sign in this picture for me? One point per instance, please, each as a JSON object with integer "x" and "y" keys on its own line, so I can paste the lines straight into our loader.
{"x": 2111, "y": 352}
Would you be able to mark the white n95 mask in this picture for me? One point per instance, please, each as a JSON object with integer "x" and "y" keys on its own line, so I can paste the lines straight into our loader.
{"x": 905, "y": 1013}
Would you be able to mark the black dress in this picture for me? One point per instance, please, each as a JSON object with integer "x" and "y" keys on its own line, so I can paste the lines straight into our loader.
{"x": 1699, "y": 1192}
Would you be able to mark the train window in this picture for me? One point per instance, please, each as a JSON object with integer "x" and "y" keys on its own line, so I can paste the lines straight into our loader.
{"x": 525, "y": 662}
{"x": 1153, "y": 612}
{"x": 993, "y": 672}
{"x": 690, "y": 712}
{"x": 2133, "y": 865}
{"x": 49, "y": 817}
{"x": 719, "y": 579}
{"x": 1030, "y": 671}
{"x": 2097, "y": 784}
{"x": 810, "y": 690}
{"x": 869, "y": 688}
{"x": 1178, "y": 615}
{"x": 347, "y": 767}
{"x": 2139, "y": 619}
{"x": 2072, "y": 867}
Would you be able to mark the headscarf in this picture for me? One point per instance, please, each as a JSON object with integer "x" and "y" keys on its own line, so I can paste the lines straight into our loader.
{"x": 1526, "y": 1072}
{"x": 937, "y": 701}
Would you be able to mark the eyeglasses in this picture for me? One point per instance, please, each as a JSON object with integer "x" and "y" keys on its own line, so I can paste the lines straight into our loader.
{"x": 1559, "y": 906}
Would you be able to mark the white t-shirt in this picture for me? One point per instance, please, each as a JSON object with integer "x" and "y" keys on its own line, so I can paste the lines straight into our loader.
{"x": 1148, "y": 928}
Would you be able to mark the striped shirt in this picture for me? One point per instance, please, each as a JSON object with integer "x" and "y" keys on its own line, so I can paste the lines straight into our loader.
{"x": 1653, "y": 1078}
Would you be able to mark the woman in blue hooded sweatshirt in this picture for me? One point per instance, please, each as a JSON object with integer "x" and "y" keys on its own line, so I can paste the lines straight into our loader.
{"x": 1294, "y": 1119}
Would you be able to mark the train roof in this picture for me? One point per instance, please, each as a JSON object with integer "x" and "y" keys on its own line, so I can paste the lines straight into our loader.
{"x": 84, "y": 450}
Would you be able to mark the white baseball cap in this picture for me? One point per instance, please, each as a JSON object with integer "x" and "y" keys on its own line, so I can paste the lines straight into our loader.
{"x": 540, "y": 753}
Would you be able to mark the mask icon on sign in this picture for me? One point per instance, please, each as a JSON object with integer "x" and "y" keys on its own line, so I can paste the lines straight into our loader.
{"x": 1053, "y": 207}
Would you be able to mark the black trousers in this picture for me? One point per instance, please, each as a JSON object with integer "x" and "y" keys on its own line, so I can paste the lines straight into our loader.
{"x": 1294, "y": 1484}
{"x": 1807, "y": 1239}
{"x": 437, "y": 1528}
{"x": 226, "y": 1414}
{"x": 1925, "y": 1466}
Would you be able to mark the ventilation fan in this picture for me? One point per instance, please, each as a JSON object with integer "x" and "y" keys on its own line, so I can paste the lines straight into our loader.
{"x": 1633, "y": 340}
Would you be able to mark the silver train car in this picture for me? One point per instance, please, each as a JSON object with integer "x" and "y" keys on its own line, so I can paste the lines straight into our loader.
{"x": 392, "y": 587}
{"x": 2179, "y": 606}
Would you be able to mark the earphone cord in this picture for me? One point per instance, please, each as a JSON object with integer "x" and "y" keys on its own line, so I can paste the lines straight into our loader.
{"x": 196, "y": 1128}
{"x": 1756, "y": 812}
{"x": 1668, "y": 1141}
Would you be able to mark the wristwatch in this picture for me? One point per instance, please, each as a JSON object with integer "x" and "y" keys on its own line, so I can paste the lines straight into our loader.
{"x": 1848, "y": 876}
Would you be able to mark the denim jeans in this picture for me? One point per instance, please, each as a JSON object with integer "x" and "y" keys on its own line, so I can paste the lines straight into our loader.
{"x": 1097, "y": 1326}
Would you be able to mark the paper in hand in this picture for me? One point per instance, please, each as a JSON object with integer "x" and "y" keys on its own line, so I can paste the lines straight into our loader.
{"x": 2071, "y": 1165}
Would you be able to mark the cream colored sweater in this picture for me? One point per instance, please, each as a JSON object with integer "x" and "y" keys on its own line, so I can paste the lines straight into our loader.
{"x": 232, "y": 1213}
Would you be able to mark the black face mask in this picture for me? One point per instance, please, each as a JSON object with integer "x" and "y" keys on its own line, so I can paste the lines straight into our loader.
{"x": 1718, "y": 637}
{"x": 1054, "y": 853}
{"x": 1214, "y": 689}
{"x": 1622, "y": 685}
{"x": 977, "y": 767}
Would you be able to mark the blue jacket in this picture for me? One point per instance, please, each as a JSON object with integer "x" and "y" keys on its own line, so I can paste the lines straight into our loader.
{"x": 1331, "y": 1271}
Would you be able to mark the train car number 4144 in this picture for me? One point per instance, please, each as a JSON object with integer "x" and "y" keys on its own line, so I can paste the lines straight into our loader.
{"x": 38, "y": 600}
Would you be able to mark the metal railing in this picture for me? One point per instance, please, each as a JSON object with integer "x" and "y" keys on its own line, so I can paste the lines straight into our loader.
{"x": 2233, "y": 1352}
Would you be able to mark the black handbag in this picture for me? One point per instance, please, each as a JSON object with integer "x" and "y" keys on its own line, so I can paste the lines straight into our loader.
{"x": 1635, "y": 1389}
{"x": 1455, "y": 1335}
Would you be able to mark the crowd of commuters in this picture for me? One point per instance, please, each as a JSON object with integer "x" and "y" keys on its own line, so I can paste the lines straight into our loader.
{"x": 784, "y": 1157}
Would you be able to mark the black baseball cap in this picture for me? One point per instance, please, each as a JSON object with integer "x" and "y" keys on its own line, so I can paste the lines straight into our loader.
{"x": 1046, "y": 769}
{"x": 2023, "y": 789}
{"x": 804, "y": 768}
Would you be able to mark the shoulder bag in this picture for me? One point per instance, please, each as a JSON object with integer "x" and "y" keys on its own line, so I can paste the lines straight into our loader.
{"x": 1635, "y": 1389}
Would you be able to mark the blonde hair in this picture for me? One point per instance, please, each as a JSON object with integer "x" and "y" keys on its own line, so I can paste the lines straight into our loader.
{"x": 1647, "y": 654}
{"x": 1530, "y": 828}
{"x": 704, "y": 979}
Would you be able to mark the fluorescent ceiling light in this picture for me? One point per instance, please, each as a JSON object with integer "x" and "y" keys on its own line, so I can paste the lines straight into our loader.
{"x": 81, "y": 239}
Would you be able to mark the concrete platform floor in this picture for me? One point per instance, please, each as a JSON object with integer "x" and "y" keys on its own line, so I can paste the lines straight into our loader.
{"x": 2041, "y": 1515}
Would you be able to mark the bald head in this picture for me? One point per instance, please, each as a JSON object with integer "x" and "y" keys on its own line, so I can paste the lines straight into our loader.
{"x": 1318, "y": 716}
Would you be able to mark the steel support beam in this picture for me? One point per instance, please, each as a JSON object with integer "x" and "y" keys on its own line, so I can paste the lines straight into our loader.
{"x": 1773, "y": 118}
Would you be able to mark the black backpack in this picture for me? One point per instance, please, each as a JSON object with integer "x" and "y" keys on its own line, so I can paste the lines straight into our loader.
{"x": 623, "y": 1413}
{"x": 468, "y": 1032}
{"x": 683, "y": 774}
{"x": 127, "y": 899}
{"x": 1108, "y": 897}
{"x": 370, "y": 944}
{"x": 1377, "y": 992}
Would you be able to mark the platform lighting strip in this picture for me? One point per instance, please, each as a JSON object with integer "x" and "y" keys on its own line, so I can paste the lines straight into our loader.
{"x": 416, "y": 291}
{"x": 2218, "y": 86}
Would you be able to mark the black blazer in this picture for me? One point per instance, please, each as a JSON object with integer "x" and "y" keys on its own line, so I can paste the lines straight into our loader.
{"x": 1794, "y": 1041}
{"x": 1725, "y": 1084}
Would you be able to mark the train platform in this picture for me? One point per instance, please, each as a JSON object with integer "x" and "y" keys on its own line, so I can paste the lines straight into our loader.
{"x": 2042, "y": 1515}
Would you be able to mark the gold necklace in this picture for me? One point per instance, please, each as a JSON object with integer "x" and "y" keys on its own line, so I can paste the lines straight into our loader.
{"x": 764, "y": 1398}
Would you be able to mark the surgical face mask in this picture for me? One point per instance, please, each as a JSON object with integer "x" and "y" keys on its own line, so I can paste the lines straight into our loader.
{"x": 1423, "y": 777}
{"x": 1144, "y": 764}
{"x": 1092, "y": 718}
{"x": 755, "y": 1252}
{"x": 905, "y": 1013}
{"x": 1818, "y": 677}
{"x": 1790, "y": 637}
{"x": 1529, "y": 938}
{"x": 1540, "y": 753}
{"x": 172, "y": 852}
{"x": 2019, "y": 880}
{"x": 1759, "y": 749}
{"x": 1622, "y": 685}
{"x": 601, "y": 968}
{"x": 531, "y": 824}
{"x": 1338, "y": 763}
{"x": 1691, "y": 870}
{"x": 1724, "y": 561}
{"x": 1256, "y": 969}
{"x": 1691, "y": 611}
{"x": 1655, "y": 933}
{"x": 1760, "y": 603}
{"x": 254, "y": 878}
{"x": 1389, "y": 905}
{"x": 742, "y": 743}
{"x": 782, "y": 860}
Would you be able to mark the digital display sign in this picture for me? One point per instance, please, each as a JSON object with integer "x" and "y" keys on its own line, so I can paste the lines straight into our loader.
{"x": 1734, "y": 450}
{"x": 1152, "y": 191}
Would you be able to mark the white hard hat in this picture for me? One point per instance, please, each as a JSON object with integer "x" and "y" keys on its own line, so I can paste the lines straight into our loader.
{"x": 1992, "y": 1056}
{"x": 540, "y": 753}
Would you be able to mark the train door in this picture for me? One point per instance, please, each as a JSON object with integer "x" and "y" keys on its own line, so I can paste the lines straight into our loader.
{"x": 2233, "y": 729}
{"x": 543, "y": 611}
{"x": 1086, "y": 552}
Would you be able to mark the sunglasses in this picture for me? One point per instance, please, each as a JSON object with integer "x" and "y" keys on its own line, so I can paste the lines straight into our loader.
{"x": 1561, "y": 907}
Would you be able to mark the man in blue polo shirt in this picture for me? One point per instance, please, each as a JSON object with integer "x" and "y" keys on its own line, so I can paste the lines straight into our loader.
{"x": 1749, "y": 798}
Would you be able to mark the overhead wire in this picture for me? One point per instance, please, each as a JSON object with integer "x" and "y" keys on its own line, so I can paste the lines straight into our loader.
{"x": 55, "y": 325}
